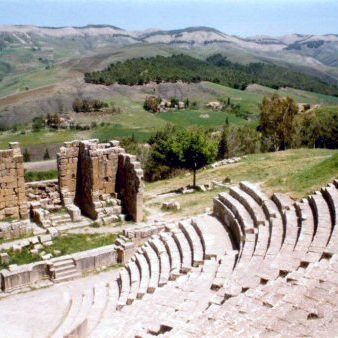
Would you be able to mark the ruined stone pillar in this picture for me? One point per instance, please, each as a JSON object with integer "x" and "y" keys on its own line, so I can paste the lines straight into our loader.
{"x": 13, "y": 202}
{"x": 67, "y": 164}
{"x": 130, "y": 186}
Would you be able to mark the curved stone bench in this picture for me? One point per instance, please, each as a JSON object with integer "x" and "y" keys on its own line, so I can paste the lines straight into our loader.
{"x": 194, "y": 241}
{"x": 109, "y": 310}
{"x": 65, "y": 326}
{"x": 307, "y": 228}
{"x": 145, "y": 274}
{"x": 185, "y": 249}
{"x": 78, "y": 323}
{"x": 154, "y": 264}
{"x": 162, "y": 253}
{"x": 134, "y": 280}
{"x": 331, "y": 195}
{"x": 269, "y": 207}
{"x": 224, "y": 271}
{"x": 99, "y": 303}
{"x": 323, "y": 226}
{"x": 174, "y": 254}
{"x": 243, "y": 216}
{"x": 282, "y": 201}
{"x": 251, "y": 205}
{"x": 214, "y": 236}
{"x": 124, "y": 285}
{"x": 226, "y": 217}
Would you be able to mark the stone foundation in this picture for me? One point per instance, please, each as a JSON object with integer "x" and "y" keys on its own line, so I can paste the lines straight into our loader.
{"x": 46, "y": 193}
{"x": 84, "y": 262}
{"x": 15, "y": 229}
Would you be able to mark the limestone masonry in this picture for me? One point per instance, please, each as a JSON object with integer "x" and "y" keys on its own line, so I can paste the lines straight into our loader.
{"x": 97, "y": 180}
{"x": 13, "y": 202}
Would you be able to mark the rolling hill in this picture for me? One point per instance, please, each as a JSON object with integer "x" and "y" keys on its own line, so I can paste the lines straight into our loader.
{"x": 42, "y": 68}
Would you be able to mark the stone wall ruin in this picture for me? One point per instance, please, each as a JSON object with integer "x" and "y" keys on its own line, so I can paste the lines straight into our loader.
{"x": 96, "y": 179}
{"x": 13, "y": 203}
{"x": 101, "y": 179}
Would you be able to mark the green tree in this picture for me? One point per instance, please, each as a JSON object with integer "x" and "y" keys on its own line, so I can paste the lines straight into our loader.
{"x": 223, "y": 148}
{"x": 195, "y": 150}
{"x": 77, "y": 105}
{"x": 171, "y": 150}
{"x": 276, "y": 121}
{"x": 38, "y": 124}
{"x": 174, "y": 102}
{"x": 151, "y": 103}
{"x": 46, "y": 155}
{"x": 26, "y": 156}
{"x": 316, "y": 129}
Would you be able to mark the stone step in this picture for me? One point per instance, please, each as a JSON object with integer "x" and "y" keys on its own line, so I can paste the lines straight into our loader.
{"x": 74, "y": 225}
{"x": 144, "y": 274}
{"x": 154, "y": 264}
{"x": 174, "y": 254}
{"x": 162, "y": 253}
{"x": 194, "y": 241}
{"x": 100, "y": 301}
{"x": 238, "y": 209}
{"x": 184, "y": 248}
{"x": 134, "y": 281}
{"x": 124, "y": 285}
{"x": 67, "y": 277}
{"x": 251, "y": 205}
{"x": 65, "y": 262}
{"x": 66, "y": 268}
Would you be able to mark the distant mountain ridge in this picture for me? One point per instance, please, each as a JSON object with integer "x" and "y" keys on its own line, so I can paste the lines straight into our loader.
{"x": 199, "y": 34}
{"x": 313, "y": 54}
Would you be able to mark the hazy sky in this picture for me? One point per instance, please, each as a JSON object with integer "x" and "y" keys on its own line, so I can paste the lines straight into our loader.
{"x": 241, "y": 17}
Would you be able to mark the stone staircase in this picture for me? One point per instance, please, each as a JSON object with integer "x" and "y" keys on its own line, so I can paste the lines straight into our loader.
{"x": 108, "y": 209}
{"x": 64, "y": 269}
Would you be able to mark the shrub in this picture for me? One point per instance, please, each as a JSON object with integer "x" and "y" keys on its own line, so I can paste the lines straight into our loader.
{"x": 32, "y": 176}
{"x": 26, "y": 155}
{"x": 46, "y": 155}
{"x": 151, "y": 103}
{"x": 38, "y": 124}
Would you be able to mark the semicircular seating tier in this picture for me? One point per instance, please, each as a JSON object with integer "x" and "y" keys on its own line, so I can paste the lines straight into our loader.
{"x": 256, "y": 266}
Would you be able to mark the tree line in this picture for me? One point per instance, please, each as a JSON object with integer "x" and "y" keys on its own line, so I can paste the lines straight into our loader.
{"x": 216, "y": 68}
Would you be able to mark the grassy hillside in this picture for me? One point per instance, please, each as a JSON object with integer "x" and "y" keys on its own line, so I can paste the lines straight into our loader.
{"x": 215, "y": 68}
{"x": 295, "y": 172}
{"x": 135, "y": 120}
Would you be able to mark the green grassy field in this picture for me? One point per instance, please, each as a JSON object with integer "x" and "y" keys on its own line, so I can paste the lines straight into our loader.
{"x": 289, "y": 171}
{"x": 66, "y": 244}
{"x": 202, "y": 118}
{"x": 133, "y": 119}
{"x": 296, "y": 172}
{"x": 300, "y": 96}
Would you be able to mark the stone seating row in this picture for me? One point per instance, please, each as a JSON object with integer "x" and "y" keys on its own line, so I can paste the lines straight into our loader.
{"x": 292, "y": 234}
{"x": 259, "y": 260}
{"x": 163, "y": 258}
{"x": 303, "y": 304}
